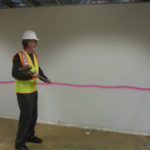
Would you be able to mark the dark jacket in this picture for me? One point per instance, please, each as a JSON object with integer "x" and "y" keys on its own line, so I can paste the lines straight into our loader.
{"x": 21, "y": 75}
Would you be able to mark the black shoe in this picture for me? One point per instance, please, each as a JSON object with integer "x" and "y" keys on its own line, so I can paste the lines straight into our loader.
{"x": 22, "y": 148}
{"x": 34, "y": 140}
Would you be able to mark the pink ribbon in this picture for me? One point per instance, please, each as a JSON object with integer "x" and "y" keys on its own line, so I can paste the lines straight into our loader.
{"x": 87, "y": 85}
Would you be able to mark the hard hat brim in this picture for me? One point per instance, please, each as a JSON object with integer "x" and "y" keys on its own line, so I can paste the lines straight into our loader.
{"x": 30, "y": 39}
{"x": 37, "y": 39}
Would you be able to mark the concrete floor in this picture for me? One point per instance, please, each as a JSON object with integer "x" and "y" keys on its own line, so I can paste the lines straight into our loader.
{"x": 68, "y": 138}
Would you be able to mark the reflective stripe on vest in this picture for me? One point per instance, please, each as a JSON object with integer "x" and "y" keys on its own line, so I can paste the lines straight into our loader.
{"x": 24, "y": 59}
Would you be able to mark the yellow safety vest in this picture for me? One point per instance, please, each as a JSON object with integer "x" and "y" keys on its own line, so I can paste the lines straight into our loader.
{"x": 27, "y": 86}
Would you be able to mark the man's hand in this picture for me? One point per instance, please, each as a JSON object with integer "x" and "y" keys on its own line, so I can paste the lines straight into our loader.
{"x": 48, "y": 81}
{"x": 34, "y": 74}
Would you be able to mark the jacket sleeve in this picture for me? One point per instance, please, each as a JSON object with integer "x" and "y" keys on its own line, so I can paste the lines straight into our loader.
{"x": 41, "y": 73}
{"x": 15, "y": 70}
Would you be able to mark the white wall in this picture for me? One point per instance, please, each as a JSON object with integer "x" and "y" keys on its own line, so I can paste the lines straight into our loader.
{"x": 104, "y": 44}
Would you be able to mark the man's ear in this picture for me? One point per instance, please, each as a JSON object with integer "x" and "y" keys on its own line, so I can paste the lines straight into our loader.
{"x": 27, "y": 44}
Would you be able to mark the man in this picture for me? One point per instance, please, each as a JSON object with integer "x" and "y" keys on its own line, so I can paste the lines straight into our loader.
{"x": 26, "y": 89}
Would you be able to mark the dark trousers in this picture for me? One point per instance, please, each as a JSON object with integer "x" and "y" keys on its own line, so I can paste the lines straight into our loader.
{"x": 28, "y": 116}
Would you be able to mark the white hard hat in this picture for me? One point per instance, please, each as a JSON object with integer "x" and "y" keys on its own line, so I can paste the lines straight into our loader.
{"x": 29, "y": 34}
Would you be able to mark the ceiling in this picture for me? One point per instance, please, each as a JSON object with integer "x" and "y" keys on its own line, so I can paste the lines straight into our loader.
{"x": 4, "y": 4}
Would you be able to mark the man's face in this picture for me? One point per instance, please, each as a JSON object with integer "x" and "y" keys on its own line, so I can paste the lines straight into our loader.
{"x": 32, "y": 44}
